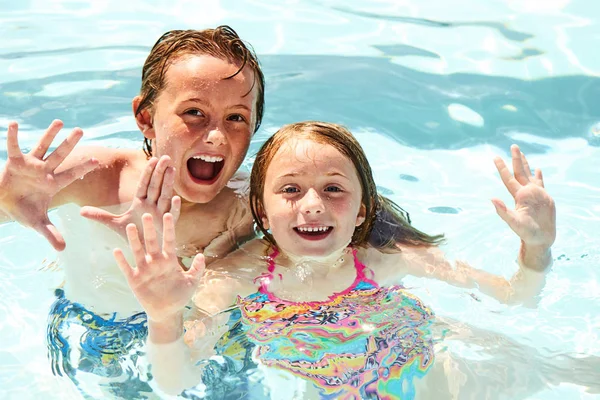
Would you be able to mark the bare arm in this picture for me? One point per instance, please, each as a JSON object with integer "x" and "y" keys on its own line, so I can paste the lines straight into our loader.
{"x": 33, "y": 183}
{"x": 523, "y": 287}
{"x": 173, "y": 354}
{"x": 533, "y": 220}
{"x": 164, "y": 289}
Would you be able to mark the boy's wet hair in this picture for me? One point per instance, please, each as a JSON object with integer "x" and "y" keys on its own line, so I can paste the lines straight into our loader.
{"x": 222, "y": 42}
{"x": 386, "y": 224}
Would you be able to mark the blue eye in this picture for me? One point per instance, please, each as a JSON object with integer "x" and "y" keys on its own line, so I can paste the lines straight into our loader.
{"x": 290, "y": 189}
{"x": 334, "y": 189}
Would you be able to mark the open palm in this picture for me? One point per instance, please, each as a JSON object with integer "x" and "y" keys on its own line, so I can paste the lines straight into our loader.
{"x": 534, "y": 216}
{"x": 30, "y": 181}
{"x": 154, "y": 196}
{"x": 160, "y": 284}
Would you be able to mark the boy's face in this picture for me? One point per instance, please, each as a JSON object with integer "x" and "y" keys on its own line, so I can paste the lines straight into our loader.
{"x": 204, "y": 123}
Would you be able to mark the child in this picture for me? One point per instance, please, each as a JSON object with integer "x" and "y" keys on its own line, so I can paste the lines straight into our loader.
{"x": 320, "y": 295}
{"x": 201, "y": 99}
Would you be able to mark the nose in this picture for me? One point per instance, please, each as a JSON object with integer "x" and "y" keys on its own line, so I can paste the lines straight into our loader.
{"x": 312, "y": 203}
{"x": 215, "y": 137}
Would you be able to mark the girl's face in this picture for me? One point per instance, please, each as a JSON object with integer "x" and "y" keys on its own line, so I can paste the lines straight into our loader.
{"x": 203, "y": 122}
{"x": 312, "y": 199}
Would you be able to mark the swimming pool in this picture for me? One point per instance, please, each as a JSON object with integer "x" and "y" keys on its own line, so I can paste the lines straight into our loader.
{"x": 432, "y": 91}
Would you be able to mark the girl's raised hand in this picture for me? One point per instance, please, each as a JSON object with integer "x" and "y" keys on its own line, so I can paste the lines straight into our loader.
{"x": 160, "y": 284}
{"x": 534, "y": 216}
{"x": 154, "y": 195}
{"x": 29, "y": 182}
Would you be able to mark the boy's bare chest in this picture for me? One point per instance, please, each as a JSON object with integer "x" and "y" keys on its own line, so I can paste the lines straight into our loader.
{"x": 197, "y": 228}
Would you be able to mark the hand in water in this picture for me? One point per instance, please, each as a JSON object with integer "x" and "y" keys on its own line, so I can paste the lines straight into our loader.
{"x": 534, "y": 216}
{"x": 29, "y": 182}
{"x": 160, "y": 284}
{"x": 154, "y": 196}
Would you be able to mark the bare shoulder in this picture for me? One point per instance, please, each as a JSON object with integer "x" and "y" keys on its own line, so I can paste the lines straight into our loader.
{"x": 231, "y": 277}
{"x": 112, "y": 182}
{"x": 246, "y": 262}
{"x": 387, "y": 267}
{"x": 390, "y": 267}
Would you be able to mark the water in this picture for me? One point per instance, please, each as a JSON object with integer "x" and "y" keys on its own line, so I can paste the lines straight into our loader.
{"x": 432, "y": 90}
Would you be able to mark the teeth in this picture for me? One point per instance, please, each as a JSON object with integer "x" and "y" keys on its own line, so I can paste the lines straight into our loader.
{"x": 211, "y": 159}
{"x": 313, "y": 229}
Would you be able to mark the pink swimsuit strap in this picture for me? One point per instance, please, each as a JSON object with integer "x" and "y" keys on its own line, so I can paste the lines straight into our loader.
{"x": 267, "y": 277}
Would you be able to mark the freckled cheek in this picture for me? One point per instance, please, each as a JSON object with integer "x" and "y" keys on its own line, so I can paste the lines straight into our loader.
{"x": 239, "y": 142}
{"x": 280, "y": 213}
{"x": 240, "y": 149}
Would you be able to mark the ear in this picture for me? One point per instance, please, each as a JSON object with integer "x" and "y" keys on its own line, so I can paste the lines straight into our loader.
{"x": 143, "y": 119}
{"x": 362, "y": 215}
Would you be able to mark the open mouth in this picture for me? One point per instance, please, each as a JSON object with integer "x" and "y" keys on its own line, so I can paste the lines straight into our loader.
{"x": 205, "y": 169}
{"x": 313, "y": 232}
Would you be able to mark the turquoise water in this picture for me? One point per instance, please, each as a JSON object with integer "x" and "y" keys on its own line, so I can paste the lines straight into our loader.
{"x": 433, "y": 91}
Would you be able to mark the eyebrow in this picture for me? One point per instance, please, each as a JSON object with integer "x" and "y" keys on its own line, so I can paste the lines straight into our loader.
{"x": 294, "y": 173}
{"x": 195, "y": 99}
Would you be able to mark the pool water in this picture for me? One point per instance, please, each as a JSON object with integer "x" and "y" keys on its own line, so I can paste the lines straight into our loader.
{"x": 433, "y": 91}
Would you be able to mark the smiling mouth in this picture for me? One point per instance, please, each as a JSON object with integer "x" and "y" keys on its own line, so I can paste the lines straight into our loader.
{"x": 313, "y": 233}
{"x": 205, "y": 169}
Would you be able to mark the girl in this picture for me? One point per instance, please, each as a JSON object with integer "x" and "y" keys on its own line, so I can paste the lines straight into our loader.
{"x": 320, "y": 294}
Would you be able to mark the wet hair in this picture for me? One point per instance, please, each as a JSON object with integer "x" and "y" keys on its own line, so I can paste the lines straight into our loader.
{"x": 386, "y": 224}
{"x": 222, "y": 42}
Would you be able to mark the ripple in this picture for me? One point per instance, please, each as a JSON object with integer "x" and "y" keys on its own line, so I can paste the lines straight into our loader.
{"x": 445, "y": 210}
{"x": 69, "y": 51}
{"x": 384, "y": 191}
{"x": 462, "y": 113}
{"x": 508, "y": 33}
{"x": 525, "y": 53}
{"x": 399, "y": 50}
{"x": 408, "y": 178}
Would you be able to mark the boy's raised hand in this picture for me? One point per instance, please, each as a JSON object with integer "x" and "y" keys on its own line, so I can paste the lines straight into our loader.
{"x": 29, "y": 182}
{"x": 160, "y": 284}
{"x": 154, "y": 195}
{"x": 534, "y": 216}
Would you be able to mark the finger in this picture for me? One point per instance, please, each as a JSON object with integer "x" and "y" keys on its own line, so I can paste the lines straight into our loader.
{"x": 175, "y": 208}
{"x": 198, "y": 266}
{"x": 46, "y": 140}
{"x": 539, "y": 177}
{"x": 156, "y": 181}
{"x": 166, "y": 192}
{"x": 136, "y": 245}
{"x": 66, "y": 177}
{"x": 507, "y": 178}
{"x": 526, "y": 166}
{"x": 504, "y": 213}
{"x": 98, "y": 214}
{"x": 63, "y": 150}
{"x": 168, "y": 234}
{"x": 142, "y": 189}
{"x": 12, "y": 143}
{"x": 517, "y": 163}
{"x": 123, "y": 264}
{"x": 52, "y": 235}
{"x": 150, "y": 238}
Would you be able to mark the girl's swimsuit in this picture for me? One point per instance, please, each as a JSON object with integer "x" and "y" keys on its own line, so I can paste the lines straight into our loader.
{"x": 365, "y": 342}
